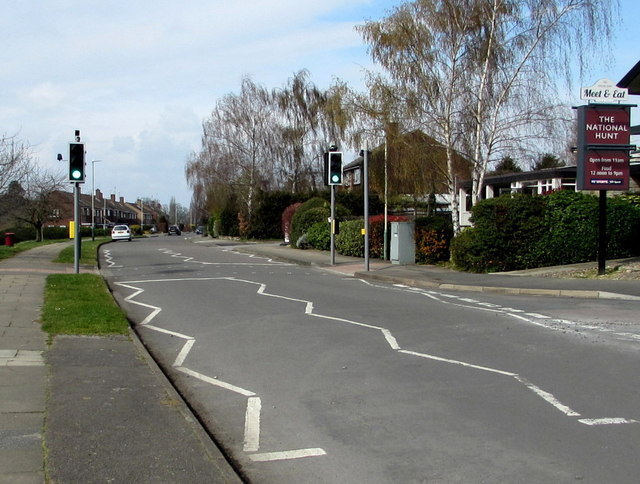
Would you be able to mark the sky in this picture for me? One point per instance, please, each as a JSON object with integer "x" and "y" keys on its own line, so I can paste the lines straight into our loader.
{"x": 138, "y": 77}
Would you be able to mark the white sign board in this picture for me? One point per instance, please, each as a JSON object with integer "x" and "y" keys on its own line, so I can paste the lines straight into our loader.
{"x": 604, "y": 91}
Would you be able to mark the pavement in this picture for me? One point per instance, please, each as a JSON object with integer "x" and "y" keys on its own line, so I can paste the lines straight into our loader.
{"x": 98, "y": 409}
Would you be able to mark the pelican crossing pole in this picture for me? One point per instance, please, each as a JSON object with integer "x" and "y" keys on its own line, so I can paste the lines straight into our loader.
{"x": 76, "y": 176}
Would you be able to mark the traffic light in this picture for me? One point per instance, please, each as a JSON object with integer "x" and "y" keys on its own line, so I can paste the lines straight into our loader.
{"x": 76, "y": 162}
{"x": 334, "y": 173}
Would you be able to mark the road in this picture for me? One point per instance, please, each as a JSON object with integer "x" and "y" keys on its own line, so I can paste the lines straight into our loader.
{"x": 304, "y": 375}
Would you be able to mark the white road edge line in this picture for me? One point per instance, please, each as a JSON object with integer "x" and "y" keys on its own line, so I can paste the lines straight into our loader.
{"x": 287, "y": 455}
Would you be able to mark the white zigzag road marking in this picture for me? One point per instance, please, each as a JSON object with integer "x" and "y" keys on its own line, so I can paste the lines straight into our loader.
{"x": 269, "y": 262}
{"x": 254, "y": 404}
{"x": 514, "y": 313}
{"x": 108, "y": 258}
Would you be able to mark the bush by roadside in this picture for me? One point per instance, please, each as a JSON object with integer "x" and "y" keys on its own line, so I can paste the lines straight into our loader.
{"x": 524, "y": 231}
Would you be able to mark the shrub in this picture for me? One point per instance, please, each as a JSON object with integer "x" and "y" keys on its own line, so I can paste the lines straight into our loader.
{"x": 313, "y": 210}
{"x": 466, "y": 253}
{"x": 519, "y": 232}
{"x": 505, "y": 228}
{"x": 319, "y": 236}
{"x": 433, "y": 237}
{"x": 286, "y": 219}
{"x": 350, "y": 240}
{"x": 304, "y": 218}
{"x": 266, "y": 220}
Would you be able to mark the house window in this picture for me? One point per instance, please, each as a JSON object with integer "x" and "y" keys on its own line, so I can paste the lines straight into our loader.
{"x": 545, "y": 186}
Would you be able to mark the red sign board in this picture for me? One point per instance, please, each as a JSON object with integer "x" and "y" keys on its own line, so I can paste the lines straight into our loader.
{"x": 603, "y": 147}
{"x": 607, "y": 126}
{"x": 606, "y": 169}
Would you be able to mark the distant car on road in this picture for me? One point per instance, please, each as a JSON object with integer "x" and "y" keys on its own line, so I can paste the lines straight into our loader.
{"x": 174, "y": 229}
{"x": 121, "y": 232}
{"x": 200, "y": 230}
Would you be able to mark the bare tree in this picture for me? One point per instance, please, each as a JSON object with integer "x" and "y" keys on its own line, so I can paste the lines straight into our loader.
{"x": 476, "y": 73}
{"x": 15, "y": 158}
{"x": 300, "y": 105}
{"x": 36, "y": 207}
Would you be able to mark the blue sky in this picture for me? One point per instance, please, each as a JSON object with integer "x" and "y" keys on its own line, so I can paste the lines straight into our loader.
{"x": 138, "y": 77}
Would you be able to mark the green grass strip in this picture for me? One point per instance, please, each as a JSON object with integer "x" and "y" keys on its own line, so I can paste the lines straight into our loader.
{"x": 88, "y": 252}
{"x": 7, "y": 252}
{"x": 81, "y": 304}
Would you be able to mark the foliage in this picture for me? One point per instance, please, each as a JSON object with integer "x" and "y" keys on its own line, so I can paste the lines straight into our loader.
{"x": 548, "y": 161}
{"x": 228, "y": 218}
{"x": 432, "y": 237}
{"x": 632, "y": 198}
{"x": 506, "y": 165}
{"x": 266, "y": 222}
{"x": 287, "y": 217}
{"x": 6, "y": 252}
{"x": 353, "y": 202}
{"x": 304, "y": 218}
{"x": 523, "y": 231}
{"x": 319, "y": 236}
{"x": 88, "y": 252}
{"x": 350, "y": 241}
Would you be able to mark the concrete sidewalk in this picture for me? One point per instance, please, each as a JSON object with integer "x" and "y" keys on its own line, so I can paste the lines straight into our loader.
{"x": 98, "y": 408}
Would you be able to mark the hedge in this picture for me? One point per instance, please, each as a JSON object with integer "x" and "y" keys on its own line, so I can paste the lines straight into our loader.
{"x": 514, "y": 232}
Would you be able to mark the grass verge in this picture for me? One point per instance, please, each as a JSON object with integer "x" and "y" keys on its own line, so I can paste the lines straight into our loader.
{"x": 88, "y": 252}
{"x": 81, "y": 304}
{"x": 7, "y": 252}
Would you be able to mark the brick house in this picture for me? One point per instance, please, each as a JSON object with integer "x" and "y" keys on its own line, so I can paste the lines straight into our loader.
{"x": 108, "y": 211}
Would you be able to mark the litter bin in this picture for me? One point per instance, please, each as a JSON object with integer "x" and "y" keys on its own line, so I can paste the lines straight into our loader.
{"x": 9, "y": 239}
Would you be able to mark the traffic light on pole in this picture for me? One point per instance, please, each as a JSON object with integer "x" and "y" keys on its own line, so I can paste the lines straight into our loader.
{"x": 76, "y": 162}
{"x": 334, "y": 173}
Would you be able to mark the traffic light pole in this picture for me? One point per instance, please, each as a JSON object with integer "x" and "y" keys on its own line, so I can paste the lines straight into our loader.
{"x": 332, "y": 226}
{"x": 365, "y": 169}
{"x": 77, "y": 247}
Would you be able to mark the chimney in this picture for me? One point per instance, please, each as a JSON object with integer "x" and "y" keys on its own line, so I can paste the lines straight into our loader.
{"x": 113, "y": 197}
{"x": 121, "y": 199}
{"x": 98, "y": 194}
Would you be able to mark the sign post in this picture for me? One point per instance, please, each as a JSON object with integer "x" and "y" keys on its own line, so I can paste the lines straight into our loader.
{"x": 603, "y": 154}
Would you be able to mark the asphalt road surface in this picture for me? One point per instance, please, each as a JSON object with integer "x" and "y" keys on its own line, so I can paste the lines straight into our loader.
{"x": 304, "y": 375}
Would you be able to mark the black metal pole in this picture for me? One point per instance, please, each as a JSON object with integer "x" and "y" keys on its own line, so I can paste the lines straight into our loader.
{"x": 333, "y": 225}
{"x": 77, "y": 247}
{"x": 602, "y": 233}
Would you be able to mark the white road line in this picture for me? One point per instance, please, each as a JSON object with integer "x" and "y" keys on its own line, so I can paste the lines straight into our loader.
{"x": 216, "y": 382}
{"x": 254, "y": 405}
{"x": 184, "y": 352}
{"x": 457, "y": 362}
{"x": 252, "y": 425}
{"x": 548, "y": 397}
{"x": 606, "y": 421}
{"x": 287, "y": 455}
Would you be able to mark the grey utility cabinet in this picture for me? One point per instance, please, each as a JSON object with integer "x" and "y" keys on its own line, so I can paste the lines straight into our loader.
{"x": 403, "y": 244}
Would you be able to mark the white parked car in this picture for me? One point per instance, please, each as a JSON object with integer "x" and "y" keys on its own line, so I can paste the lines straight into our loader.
{"x": 121, "y": 232}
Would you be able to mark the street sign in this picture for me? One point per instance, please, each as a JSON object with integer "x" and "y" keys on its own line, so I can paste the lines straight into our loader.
{"x": 604, "y": 91}
{"x": 603, "y": 147}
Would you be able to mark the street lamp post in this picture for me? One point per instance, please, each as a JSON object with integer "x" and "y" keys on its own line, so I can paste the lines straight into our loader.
{"x": 93, "y": 196}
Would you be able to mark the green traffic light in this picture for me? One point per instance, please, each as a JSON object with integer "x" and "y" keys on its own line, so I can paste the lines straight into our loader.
{"x": 76, "y": 174}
